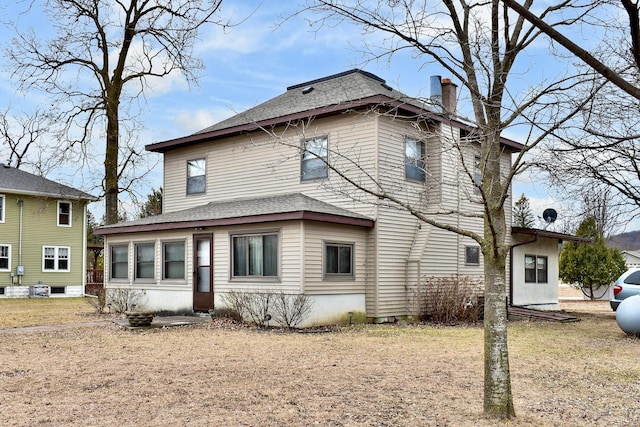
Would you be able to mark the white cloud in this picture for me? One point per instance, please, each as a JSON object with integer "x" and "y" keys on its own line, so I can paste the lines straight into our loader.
{"x": 191, "y": 121}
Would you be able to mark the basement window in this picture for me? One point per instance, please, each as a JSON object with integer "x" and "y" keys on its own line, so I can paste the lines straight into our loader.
{"x": 58, "y": 289}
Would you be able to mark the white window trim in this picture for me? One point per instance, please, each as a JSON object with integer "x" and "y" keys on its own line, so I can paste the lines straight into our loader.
{"x": 423, "y": 159}
{"x": 325, "y": 159}
{"x": 110, "y": 261}
{"x": 56, "y": 259}
{"x": 3, "y": 207}
{"x": 204, "y": 174}
{"x": 135, "y": 262}
{"x": 9, "y": 255}
{"x": 70, "y": 213}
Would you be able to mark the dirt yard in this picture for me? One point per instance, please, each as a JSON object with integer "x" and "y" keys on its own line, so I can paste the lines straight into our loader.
{"x": 582, "y": 373}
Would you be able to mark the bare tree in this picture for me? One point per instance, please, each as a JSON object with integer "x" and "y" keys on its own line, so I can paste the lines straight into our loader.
{"x": 104, "y": 55}
{"x": 23, "y": 136}
{"x": 478, "y": 43}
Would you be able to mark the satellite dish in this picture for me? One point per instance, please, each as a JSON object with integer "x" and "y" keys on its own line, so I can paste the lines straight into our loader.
{"x": 549, "y": 215}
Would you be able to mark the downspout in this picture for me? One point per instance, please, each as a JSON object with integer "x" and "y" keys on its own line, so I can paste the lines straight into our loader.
{"x": 20, "y": 204}
{"x": 511, "y": 266}
{"x": 84, "y": 250}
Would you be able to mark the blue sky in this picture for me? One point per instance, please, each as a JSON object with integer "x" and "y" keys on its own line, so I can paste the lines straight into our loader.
{"x": 257, "y": 60}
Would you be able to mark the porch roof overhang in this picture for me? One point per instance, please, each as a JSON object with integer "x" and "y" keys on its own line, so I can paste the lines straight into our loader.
{"x": 549, "y": 234}
{"x": 286, "y": 207}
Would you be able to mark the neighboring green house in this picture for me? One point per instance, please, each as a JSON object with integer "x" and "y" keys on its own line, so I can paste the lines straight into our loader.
{"x": 42, "y": 236}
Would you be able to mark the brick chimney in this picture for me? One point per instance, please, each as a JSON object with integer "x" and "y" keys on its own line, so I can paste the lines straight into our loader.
{"x": 449, "y": 96}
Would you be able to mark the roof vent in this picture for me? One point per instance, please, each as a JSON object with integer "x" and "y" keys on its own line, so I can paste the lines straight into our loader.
{"x": 307, "y": 90}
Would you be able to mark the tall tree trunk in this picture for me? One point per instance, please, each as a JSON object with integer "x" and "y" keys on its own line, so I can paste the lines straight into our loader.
{"x": 111, "y": 189}
{"x": 498, "y": 398}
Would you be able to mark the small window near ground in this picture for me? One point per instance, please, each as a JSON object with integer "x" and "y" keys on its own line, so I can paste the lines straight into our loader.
{"x": 145, "y": 260}
{"x": 5, "y": 257}
{"x": 338, "y": 260}
{"x": 64, "y": 214}
{"x": 58, "y": 290}
{"x": 119, "y": 256}
{"x": 255, "y": 255}
{"x": 535, "y": 269}
{"x": 173, "y": 260}
{"x": 1, "y": 290}
{"x": 414, "y": 160}
{"x": 56, "y": 258}
{"x": 472, "y": 255}
{"x": 196, "y": 176}
{"x": 314, "y": 159}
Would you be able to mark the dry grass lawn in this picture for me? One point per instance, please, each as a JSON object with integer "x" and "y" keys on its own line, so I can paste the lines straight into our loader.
{"x": 583, "y": 373}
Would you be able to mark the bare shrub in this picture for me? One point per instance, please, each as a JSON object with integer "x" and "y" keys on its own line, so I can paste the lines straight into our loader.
{"x": 449, "y": 300}
{"x": 98, "y": 300}
{"x": 120, "y": 300}
{"x": 262, "y": 306}
{"x": 290, "y": 310}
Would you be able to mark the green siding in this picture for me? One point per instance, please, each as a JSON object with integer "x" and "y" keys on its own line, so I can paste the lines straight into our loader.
{"x": 39, "y": 228}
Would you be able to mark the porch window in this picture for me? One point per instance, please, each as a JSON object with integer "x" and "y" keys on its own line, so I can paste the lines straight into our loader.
{"x": 145, "y": 260}
{"x": 173, "y": 260}
{"x": 414, "y": 160}
{"x": 314, "y": 159}
{"x": 196, "y": 176}
{"x": 535, "y": 269}
{"x": 255, "y": 255}
{"x": 472, "y": 255}
{"x": 1, "y": 207}
{"x": 119, "y": 257}
{"x": 338, "y": 259}
{"x": 5, "y": 257}
{"x": 55, "y": 258}
{"x": 64, "y": 214}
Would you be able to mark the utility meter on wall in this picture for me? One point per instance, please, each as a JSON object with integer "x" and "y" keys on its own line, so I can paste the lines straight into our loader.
{"x": 20, "y": 270}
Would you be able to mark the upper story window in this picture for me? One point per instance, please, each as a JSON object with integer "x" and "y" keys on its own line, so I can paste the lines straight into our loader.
{"x": 314, "y": 159}
{"x": 477, "y": 174}
{"x": 119, "y": 257}
{"x": 1, "y": 207}
{"x": 145, "y": 260}
{"x": 5, "y": 257}
{"x": 338, "y": 260}
{"x": 255, "y": 255}
{"x": 173, "y": 260}
{"x": 535, "y": 269}
{"x": 414, "y": 159}
{"x": 196, "y": 176}
{"x": 64, "y": 214}
{"x": 56, "y": 258}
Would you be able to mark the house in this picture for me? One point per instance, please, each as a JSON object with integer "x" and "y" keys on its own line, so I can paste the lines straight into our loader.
{"x": 42, "y": 236}
{"x": 632, "y": 258}
{"x": 250, "y": 204}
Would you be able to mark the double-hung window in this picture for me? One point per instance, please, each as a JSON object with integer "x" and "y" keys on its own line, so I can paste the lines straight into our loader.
{"x": 535, "y": 269}
{"x": 5, "y": 257}
{"x": 314, "y": 159}
{"x": 196, "y": 176}
{"x": 255, "y": 255}
{"x": 338, "y": 260}
{"x": 2, "y": 208}
{"x": 414, "y": 159}
{"x": 119, "y": 261}
{"x": 173, "y": 260}
{"x": 56, "y": 258}
{"x": 64, "y": 214}
{"x": 145, "y": 260}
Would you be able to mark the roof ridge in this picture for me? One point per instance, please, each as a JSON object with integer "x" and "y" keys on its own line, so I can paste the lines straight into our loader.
{"x": 338, "y": 75}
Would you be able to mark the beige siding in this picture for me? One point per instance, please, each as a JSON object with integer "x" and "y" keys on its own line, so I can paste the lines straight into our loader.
{"x": 263, "y": 164}
{"x": 39, "y": 228}
{"x": 315, "y": 236}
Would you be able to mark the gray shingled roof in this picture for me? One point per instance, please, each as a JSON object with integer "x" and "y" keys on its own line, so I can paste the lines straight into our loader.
{"x": 336, "y": 89}
{"x": 214, "y": 212}
{"x": 16, "y": 181}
